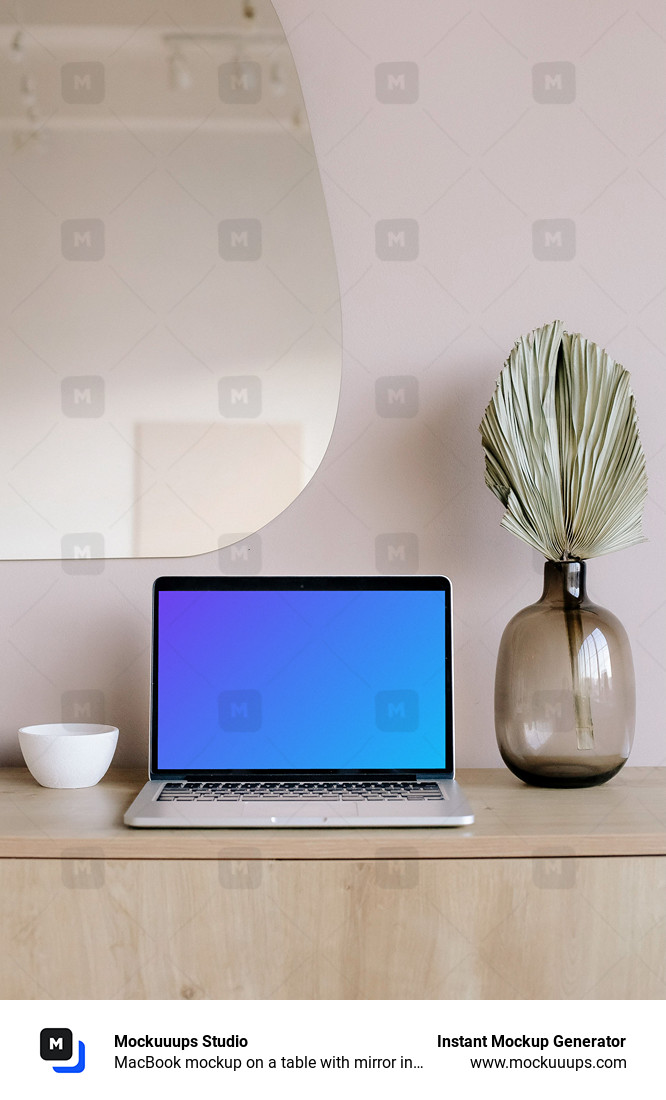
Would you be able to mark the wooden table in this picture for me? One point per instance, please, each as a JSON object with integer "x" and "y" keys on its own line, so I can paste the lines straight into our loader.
{"x": 550, "y": 894}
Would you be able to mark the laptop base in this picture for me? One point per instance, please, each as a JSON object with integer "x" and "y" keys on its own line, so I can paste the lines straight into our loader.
{"x": 146, "y": 812}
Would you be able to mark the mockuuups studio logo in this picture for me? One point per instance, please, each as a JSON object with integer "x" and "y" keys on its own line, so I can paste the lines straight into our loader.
{"x": 82, "y": 553}
{"x": 397, "y": 868}
{"x": 554, "y": 239}
{"x": 397, "y": 396}
{"x": 240, "y": 82}
{"x": 86, "y": 705}
{"x": 82, "y": 82}
{"x": 56, "y": 1044}
{"x": 82, "y": 868}
{"x": 553, "y": 709}
{"x": 82, "y": 239}
{"x": 397, "y": 82}
{"x": 242, "y": 557}
{"x": 240, "y": 868}
{"x": 397, "y": 711}
{"x": 240, "y": 711}
{"x": 397, "y": 553}
{"x": 554, "y": 82}
{"x": 82, "y": 395}
{"x": 397, "y": 239}
{"x": 554, "y": 871}
{"x": 240, "y": 396}
{"x": 239, "y": 239}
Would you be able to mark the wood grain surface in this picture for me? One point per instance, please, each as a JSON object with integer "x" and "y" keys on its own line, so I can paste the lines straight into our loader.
{"x": 624, "y": 817}
{"x": 551, "y": 894}
{"x": 281, "y": 929}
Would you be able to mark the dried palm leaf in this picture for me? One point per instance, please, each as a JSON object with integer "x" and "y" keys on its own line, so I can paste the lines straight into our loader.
{"x": 562, "y": 447}
{"x": 563, "y": 455}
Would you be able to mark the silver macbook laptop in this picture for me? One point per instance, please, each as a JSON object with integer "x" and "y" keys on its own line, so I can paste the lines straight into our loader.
{"x": 310, "y": 701}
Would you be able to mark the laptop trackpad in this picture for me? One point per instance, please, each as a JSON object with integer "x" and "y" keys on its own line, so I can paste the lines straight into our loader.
{"x": 284, "y": 812}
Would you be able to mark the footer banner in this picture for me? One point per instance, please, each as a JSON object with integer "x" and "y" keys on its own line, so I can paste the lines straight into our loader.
{"x": 331, "y": 1048}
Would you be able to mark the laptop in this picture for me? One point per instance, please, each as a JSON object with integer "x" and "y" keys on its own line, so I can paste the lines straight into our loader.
{"x": 301, "y": 702}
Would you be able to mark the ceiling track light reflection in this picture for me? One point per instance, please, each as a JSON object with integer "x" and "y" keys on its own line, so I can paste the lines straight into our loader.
{"x": 238, "y": 37}
{"x": 17, "y": 48}
{"x": 180, "y": 73}
{"x": 33, "y": 131}
{"x": 243, "y": 43}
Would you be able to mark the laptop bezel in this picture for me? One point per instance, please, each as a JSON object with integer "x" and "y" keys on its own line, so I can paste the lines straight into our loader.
{"x": 398, "y": 583}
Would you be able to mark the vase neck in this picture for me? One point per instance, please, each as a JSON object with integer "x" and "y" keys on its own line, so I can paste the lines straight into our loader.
{"x": 564, "y": 583}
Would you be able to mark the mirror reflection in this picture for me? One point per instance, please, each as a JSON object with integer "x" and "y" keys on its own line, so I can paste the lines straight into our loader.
{"x": 170, "y": 312}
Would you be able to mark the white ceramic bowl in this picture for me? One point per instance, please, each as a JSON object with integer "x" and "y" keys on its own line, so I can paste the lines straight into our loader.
{"x": 71, "y": 754}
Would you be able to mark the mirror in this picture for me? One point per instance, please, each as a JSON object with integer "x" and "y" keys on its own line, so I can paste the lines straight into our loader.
{"x": 170, "y": 312}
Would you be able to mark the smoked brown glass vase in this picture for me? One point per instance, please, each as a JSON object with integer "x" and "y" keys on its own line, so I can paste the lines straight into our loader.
{"x": 564, "y": 688}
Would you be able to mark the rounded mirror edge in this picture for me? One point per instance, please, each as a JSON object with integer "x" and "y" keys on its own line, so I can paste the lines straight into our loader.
{"x": 270, "y": 386}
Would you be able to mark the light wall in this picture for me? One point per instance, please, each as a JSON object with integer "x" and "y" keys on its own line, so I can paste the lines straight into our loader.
{"x": 482, "y": 149}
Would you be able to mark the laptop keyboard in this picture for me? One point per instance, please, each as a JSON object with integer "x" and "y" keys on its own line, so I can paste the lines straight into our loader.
{"x": 331, "y": 791}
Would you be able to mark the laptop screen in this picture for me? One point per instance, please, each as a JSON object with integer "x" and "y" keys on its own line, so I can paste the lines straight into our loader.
{"x": 307, "y": 675}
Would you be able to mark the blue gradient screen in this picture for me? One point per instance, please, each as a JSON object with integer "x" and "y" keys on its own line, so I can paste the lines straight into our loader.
{"x": 308, "y": 680}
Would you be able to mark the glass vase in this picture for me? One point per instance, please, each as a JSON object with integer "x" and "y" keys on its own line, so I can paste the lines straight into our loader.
{"x": 564, "y": 688}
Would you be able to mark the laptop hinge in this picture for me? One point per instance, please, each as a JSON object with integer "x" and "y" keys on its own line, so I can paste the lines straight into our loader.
{"x": 273, "y": 776}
